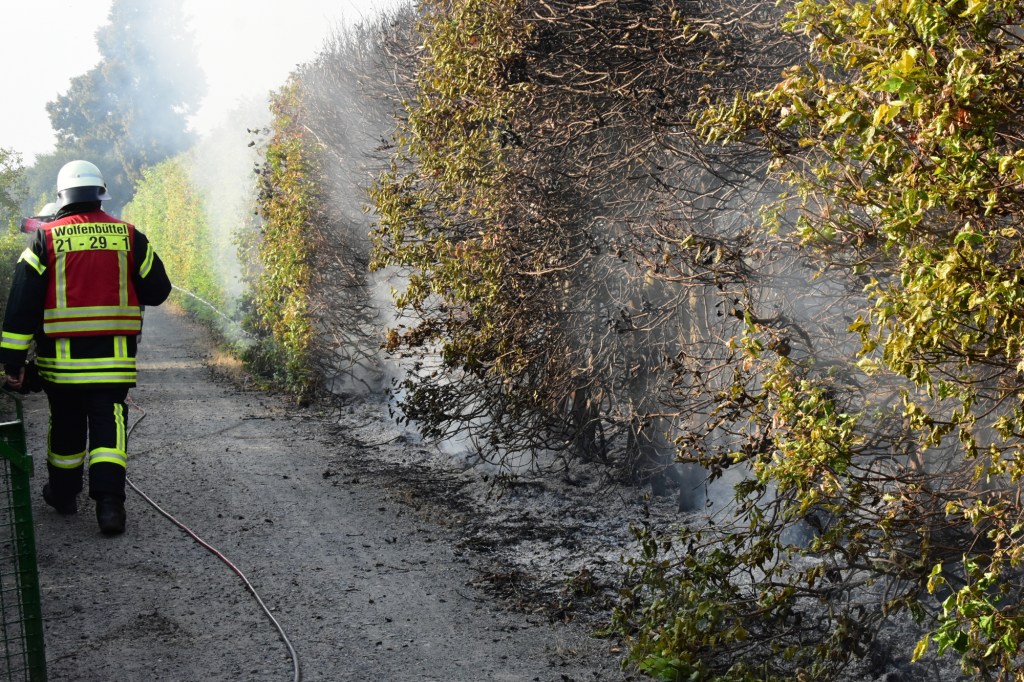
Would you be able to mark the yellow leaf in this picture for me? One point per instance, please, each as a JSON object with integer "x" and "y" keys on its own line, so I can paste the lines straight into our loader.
{"x": 921, "y": 649}
{"x": 908, "y": 61}
{"x": 880, "y": 114}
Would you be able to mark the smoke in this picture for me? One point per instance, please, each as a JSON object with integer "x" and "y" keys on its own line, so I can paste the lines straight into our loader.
{"x": 248, "y": 51}
{"x": 221, "y": 166}
{"x": 345, "y": 116}
{"x": 244, "y": 57}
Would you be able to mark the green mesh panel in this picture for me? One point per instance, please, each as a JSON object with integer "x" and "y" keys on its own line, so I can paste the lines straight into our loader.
{"x": 21, "y": 623}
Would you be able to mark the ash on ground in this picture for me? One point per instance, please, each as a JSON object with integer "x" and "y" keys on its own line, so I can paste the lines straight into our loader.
{"x": 552, "y": 544}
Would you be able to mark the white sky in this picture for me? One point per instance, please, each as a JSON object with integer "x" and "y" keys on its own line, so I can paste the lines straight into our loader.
{"x": 247, "y": 47}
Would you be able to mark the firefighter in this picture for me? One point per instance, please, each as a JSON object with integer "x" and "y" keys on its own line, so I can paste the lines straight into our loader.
{"x": 45, "y": 215}
{"x": 77, "y": 292}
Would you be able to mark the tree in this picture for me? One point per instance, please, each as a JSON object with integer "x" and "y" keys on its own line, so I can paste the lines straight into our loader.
{"x": 130, "y": 111}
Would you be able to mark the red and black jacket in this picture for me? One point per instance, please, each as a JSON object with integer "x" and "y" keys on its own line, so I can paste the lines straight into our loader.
{"x": 77, "y": 292}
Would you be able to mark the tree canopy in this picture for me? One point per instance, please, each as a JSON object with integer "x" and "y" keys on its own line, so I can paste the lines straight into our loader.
{"x": 129, "y": 112}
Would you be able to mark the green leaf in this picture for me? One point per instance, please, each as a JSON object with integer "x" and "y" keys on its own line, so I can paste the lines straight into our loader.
{"x": 972, "y": 238}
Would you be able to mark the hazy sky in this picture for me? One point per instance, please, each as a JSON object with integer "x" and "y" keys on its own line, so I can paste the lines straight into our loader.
{"x": 247, "y": 47}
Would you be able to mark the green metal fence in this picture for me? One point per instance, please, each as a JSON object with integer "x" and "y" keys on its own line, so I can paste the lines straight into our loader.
{"x": 21, "y": 623}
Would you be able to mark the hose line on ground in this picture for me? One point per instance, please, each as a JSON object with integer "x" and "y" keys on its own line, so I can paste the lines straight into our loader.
{"x": 213, "y": 550}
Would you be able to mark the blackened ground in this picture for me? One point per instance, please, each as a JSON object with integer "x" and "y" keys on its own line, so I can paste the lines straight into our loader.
{"x": 552, "y": 546}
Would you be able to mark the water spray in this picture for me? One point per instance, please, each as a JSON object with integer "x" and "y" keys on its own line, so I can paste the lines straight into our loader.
{"x": 214, "y": 308}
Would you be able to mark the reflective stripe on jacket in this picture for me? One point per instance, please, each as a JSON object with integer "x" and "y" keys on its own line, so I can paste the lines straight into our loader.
{"x": 93, "y": 360}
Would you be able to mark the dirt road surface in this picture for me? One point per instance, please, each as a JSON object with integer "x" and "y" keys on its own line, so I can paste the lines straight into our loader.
{"x": 364, "y": 587}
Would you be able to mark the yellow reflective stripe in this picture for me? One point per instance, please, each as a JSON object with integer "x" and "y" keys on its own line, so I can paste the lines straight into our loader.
{"x": 119, "y": 422}
{"x": 108, "y": 326}
{"x": 110, "y": 455}
{"x": 63, "y": 348}
{"x": 121, "y": 347}
{"x": 86, "y": 363}
{"x": 122, "y": 277}
{"x": 92, "y": 311}
{"x": 65, "y": 461}
{"x": 125, "y": 319}
{"x": 61, "y": 283}
{"x": 15, "y": 341}
{"x": 147, "y": 262}
{"x": 92, "y": 378}
{"x": 32, "y": 260}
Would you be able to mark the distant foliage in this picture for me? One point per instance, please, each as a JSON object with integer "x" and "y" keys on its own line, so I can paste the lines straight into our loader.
{"x": 169, "y": 209}
{"x": 11, "y": 185}
{"x": 12, "y": 241}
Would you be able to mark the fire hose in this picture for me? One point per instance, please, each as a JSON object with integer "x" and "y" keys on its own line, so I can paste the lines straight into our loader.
{"x": 213, "y": 550}
{"x": 32, "y": 385}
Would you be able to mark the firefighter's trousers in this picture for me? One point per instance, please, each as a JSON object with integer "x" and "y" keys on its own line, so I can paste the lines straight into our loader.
{"x": 87, "y": 427}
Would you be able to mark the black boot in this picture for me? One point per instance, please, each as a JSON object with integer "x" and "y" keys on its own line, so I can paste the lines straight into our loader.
{"x": 65, "y": 506}
{"x": 110, "y": 514}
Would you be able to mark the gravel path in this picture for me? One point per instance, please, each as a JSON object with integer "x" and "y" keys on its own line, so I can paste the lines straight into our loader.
{"x": 364, "y": 589}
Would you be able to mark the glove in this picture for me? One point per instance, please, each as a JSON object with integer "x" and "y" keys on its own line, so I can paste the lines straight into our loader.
{"x": 33, "y": 383}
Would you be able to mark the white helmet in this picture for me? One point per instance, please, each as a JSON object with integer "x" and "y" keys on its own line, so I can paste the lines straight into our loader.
{"x": 49, "y": 210}
{"x": 80, "y": 181}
